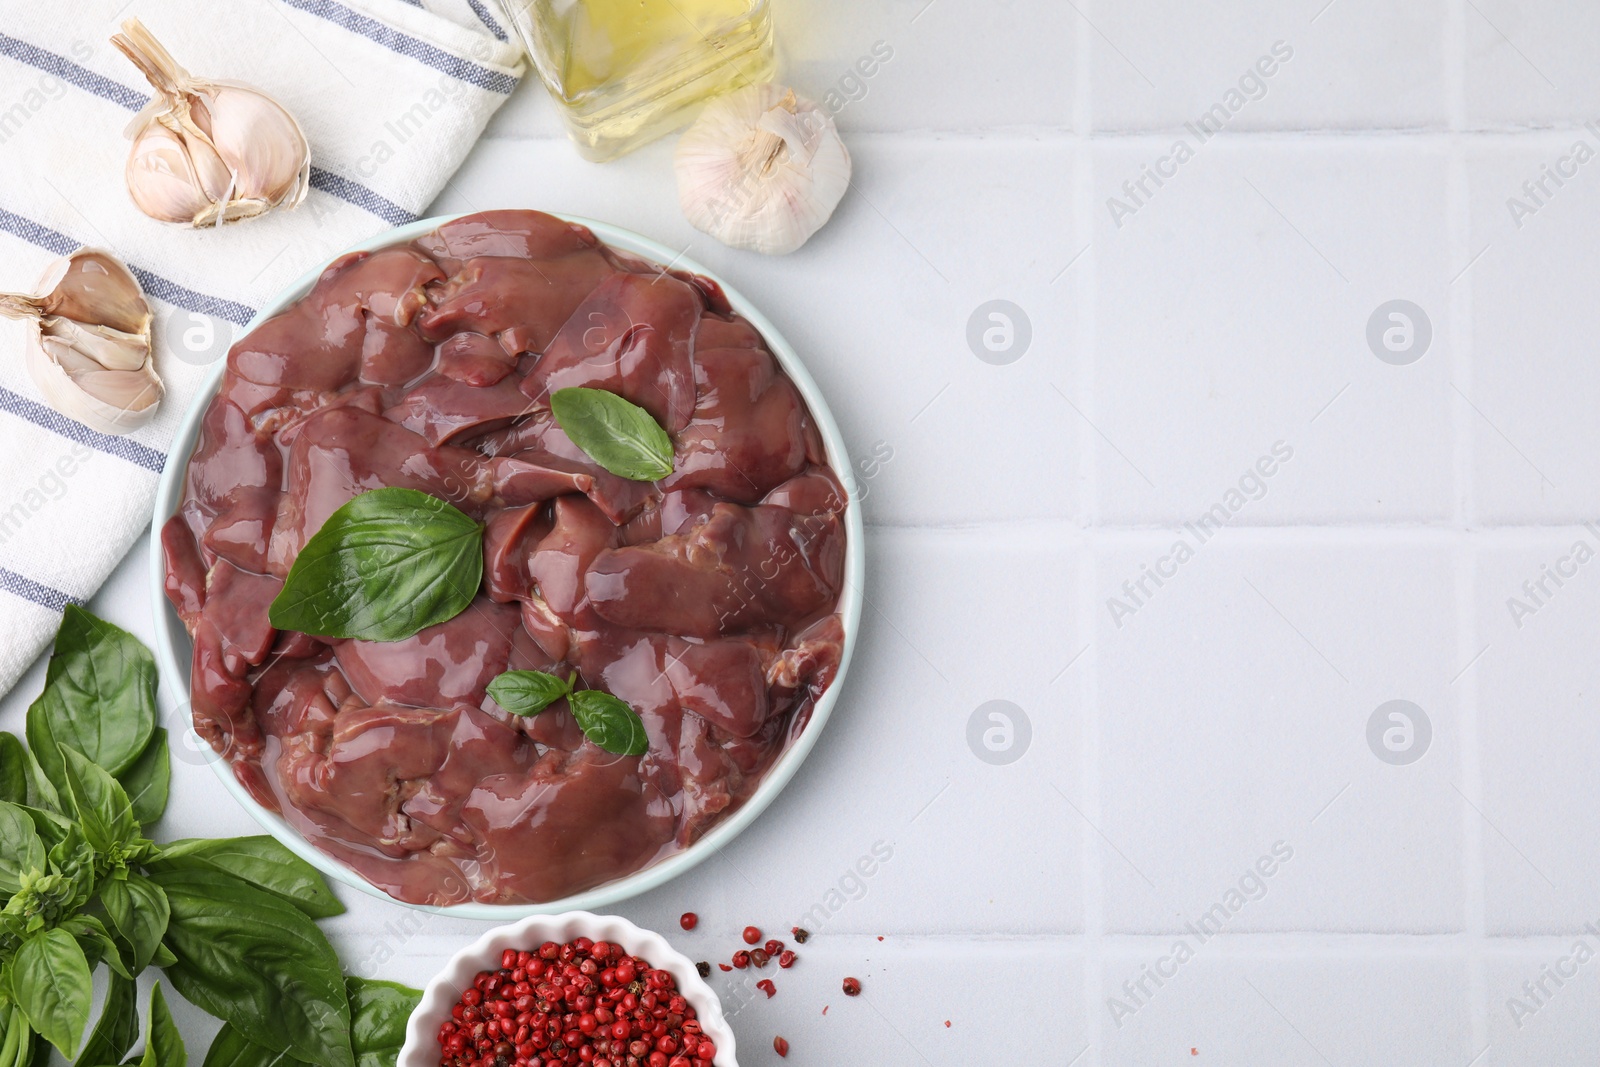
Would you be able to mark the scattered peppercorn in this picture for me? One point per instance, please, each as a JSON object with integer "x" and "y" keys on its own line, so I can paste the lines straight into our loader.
{"x": 780, "y": 1046}
{"x": 752, "y": 935}
{"x": 689, "y": 920}
{"x": 724, "y": 966}
{"x": 585, "y": 1002}
{"x": 786, "y": 958}
{"x": 852, "y": 987}
{"x": 801, "y": 934}
{"x": 741, "y": 959}
{"x": 773, "y": 947}
{"x": 766, "y": 986}
{"x": 704, "y": 968}
{"x": 759, "y": 957}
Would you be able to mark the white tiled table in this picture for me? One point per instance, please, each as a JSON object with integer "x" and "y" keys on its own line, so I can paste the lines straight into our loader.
{"x": 1228, "y": 713}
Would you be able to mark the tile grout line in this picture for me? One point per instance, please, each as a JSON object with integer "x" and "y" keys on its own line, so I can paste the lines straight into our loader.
{"x": 1086, "y": 684}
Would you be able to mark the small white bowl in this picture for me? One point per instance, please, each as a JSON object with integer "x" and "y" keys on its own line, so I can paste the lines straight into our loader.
{"x": 173, "y": 648}
{"x": 422, "y": 1030}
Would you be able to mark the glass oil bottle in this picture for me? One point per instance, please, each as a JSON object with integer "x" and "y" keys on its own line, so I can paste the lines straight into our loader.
{"x": 624, "y": 72}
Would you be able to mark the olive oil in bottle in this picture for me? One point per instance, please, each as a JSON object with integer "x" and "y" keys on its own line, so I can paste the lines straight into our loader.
{"x": 625, "y": 71}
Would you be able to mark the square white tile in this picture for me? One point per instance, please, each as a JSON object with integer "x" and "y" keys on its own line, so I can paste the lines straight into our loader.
{"x": 932, "y": 64}
{"x": 1542, "y": 1002}
{"x": 1235, "y": 704}
{"x": 1311, "y": 64}
{"x": 1233, "y": 318}
{"x": 1223, "y": 1005}
{"x": 1528, "y": 64}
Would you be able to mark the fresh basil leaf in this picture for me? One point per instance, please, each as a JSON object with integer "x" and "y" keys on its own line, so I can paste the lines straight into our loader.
{"x": 163, "y": 957}
{"x": 163, "y": 1045}
{"x": 21, "y": 850}
{"x": 51, "y": 828}
{"x": 96, "y": 943}
{"x": 527, "y": 692}
{"x": 151, "y": 914}
{"x": 118, "y": 1026}
{"x": 379, "y": 1012}
{"x": 137, "y": 912}
{"x": 263, "y": 863}
{"x": 609, "y": 723}
{"x": 42, "y": 792}
{"x": 254, "y": 961}
{"x": 387, "y": 564}
{"x": 13, "y": 769}
{"x": 99, "y": 696}
{"x": 114, "y": 900}
{"x": 102, "y": 807}
{"x": 50, "y": 981}
{"x": 619, "y": 435}
{"x": 230, "y": 1048}
{"x": 148, "y": 779}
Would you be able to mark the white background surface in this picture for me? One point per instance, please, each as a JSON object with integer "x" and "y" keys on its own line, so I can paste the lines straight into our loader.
{"x": 1229, "y": 712}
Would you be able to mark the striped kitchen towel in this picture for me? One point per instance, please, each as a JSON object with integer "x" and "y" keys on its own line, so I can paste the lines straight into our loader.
{"x": 391, "y": 93}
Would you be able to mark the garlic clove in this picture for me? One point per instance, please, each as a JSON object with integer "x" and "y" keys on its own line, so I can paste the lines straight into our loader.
{"x": 762, "y": 169}
{"x": 263, "y": 144}
{"x": 112, "y": 402}
{"x": 92, "y": 286}
{"x": 107, "y": 348}
{"x": 89, "y": 348}
{"x": 172, "y": 180}
{"x": 208, "y": 152}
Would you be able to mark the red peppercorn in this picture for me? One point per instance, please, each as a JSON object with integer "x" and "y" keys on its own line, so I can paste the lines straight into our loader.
{"x": 583, "y": 1002}
{"x": 759, "y": 957}
{"x": 751, "y": 935}
{"x": 852, "y": 987}
{"x": 780, "y": 1046}
{"x": 741, "y": 959}
{"x": 801, "y": 935}
{"x": 786, "y": 958}
{"x": 724, "y": 966}
{"x": 689, "y": 920}
{"x": 773, "y": 947}
{"x": 766, "y": 986}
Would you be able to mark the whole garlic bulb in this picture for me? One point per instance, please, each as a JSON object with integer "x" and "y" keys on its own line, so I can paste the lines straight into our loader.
{"x": 89, "y": 352}
{"x": 208, "y": 152}
{"x": 761, "y": 168}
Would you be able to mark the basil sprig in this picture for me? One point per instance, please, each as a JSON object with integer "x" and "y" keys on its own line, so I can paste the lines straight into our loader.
{"x": 604, "y": 719}
{"x": 387, "y": 564}
{"x": 619, "y": 435}
{"x": 232, "y": 924}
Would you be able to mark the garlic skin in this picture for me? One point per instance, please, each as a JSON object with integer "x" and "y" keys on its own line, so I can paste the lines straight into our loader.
{"x": 208, "y": 152}
{"x": 762, "y": 169}
{"x": 89, "y": 351}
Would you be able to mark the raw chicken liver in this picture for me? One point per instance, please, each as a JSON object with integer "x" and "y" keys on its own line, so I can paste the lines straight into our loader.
{"x": 706, "y": 601}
